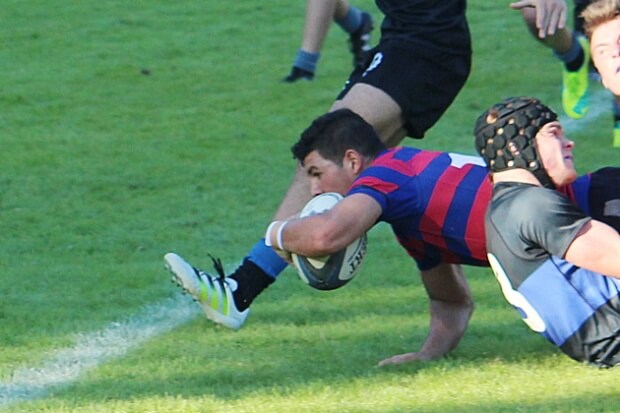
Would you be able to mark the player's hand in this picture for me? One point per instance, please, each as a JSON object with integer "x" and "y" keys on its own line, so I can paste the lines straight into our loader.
{"x": 273, "y": 239}
{"x": 550, "y": 14}
{"x": 285, "y": 255}
{"x": 405, "y": 358}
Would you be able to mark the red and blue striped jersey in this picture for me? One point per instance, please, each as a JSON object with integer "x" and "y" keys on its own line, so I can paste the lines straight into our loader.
{"x": 435, "y": 203}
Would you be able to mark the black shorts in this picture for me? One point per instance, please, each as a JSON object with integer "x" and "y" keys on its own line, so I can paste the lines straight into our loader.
{"x": 605, "y": 196}
{"x": 423, "y": 82}
{"x": 597, "y": 341}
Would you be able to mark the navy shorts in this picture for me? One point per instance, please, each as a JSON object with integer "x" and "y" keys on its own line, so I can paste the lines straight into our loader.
{"x": 423, "y": 82}
{"x": 605, "y": 196}
{"x": 598, "y": 195}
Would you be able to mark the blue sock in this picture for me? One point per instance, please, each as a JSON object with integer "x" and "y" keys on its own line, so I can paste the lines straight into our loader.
{"x": 573, "y": 57}
{"x": 266, "y": 258}
{"x": 306, "y": 61}
{"x": 351, "y": 21}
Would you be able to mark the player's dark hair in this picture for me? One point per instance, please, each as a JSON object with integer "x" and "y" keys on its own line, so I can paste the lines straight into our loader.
{"x": 332, "y": 134}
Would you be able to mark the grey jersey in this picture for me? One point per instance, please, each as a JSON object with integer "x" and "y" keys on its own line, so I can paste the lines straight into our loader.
{"x": 526, "y": 224}
{"x": 529, "y": 230}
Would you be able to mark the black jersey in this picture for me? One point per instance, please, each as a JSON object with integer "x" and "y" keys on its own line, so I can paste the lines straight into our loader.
{"x": 437, "y": 24}
{"x": 528, "y": 230}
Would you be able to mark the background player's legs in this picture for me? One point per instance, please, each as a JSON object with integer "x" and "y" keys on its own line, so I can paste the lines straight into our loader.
{"x": 319, "y": 16}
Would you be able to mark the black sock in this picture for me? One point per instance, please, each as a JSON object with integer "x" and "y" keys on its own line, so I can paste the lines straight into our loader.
{"x": 576, "y": 63}
{"x": 251, "y": 281}
{"x": 616, "y": 111}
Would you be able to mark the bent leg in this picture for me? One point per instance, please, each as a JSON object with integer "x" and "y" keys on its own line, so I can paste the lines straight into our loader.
{"x": 378, "y": 109}
{"x": 297, "y": 195}
{"x": 319, "y": 15}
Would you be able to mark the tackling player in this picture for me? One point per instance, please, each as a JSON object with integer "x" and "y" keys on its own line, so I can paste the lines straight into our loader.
{"x": 554, "y": 263}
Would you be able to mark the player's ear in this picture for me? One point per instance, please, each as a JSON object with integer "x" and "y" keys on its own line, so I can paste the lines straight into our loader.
{"x": 353, "y": 161}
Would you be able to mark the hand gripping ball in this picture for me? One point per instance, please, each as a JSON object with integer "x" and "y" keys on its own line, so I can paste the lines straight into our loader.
{"x": 337, "y": 269}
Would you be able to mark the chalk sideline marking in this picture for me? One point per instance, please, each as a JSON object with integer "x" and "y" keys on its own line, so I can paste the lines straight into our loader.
{"x": 64, "y": 366}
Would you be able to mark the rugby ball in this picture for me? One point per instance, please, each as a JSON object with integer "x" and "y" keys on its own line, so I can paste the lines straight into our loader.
{"x": 335, "y": 270}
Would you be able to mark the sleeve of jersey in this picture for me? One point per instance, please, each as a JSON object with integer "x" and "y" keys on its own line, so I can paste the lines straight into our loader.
{"x": 381, "y": 184}
{"x": 371, "y": 191}
{"x": 553, "y": 221}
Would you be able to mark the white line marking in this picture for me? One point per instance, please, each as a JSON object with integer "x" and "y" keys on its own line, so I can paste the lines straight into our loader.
{"x": 66, "y": 365}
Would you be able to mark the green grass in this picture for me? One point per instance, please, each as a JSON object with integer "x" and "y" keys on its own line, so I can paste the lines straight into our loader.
{"x": 130, "y": 129}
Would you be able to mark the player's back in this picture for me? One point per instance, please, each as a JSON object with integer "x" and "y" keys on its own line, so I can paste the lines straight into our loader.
{"x": 435, "y": 202}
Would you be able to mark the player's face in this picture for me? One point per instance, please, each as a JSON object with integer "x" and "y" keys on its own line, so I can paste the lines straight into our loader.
{"x": 327, "y": 176}
{"x": 556, "y": 153}
{"x": 605, "y": 46}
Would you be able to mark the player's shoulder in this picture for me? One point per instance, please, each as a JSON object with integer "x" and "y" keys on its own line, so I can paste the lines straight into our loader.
{"x": 525, "y": 200}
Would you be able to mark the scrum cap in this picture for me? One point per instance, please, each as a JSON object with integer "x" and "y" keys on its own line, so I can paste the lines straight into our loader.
{"x": 505, "y": 136}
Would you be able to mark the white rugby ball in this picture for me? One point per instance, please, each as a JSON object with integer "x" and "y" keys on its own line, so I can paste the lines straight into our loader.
{"x": 337, "y": 269}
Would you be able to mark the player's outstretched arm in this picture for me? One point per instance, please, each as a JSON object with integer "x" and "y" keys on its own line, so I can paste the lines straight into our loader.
{"x": 451, "y": 306}
{"x": 597, "y": 248}
{"x": 550, "y": 14}
{"x": 330, "y": 231}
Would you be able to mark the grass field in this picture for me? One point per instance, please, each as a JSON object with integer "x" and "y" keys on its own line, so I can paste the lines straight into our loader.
{"x": 129, "y": 129}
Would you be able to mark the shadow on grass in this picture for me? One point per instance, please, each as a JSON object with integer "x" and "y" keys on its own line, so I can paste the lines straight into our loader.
{"x": 307, "y": 340}
{"x": 551, "y": 404}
